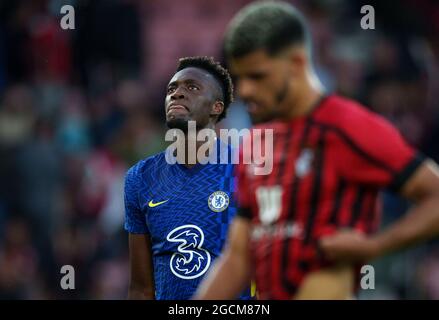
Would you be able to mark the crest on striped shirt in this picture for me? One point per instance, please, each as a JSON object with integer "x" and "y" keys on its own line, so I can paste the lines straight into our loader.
{"x": 304, "y": 162}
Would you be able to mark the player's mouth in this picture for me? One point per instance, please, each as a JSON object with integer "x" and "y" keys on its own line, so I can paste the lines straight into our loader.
{"x": 177, "y": 108}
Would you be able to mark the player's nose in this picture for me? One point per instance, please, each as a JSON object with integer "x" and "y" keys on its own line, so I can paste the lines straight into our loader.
{"x": 178, "y": 94}
{"x": 244, "y": 89}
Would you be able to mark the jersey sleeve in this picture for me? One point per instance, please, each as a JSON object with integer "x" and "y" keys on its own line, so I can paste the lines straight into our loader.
{"x": 134, "y": 218}
{"x": 372, "y": 151}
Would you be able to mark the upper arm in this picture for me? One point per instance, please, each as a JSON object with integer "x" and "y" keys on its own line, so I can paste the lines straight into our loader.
{"x": 238, "y": 243}
{"x": 424, "y": 182}
{"x": 239, "y": 232}
{"x": 231, "y": 271}
{"x": 141, "y": 267}
{"x": 242, "y": 193}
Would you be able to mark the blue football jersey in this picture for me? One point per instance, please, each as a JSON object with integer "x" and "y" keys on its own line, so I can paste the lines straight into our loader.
{"x": 186, "y": 212}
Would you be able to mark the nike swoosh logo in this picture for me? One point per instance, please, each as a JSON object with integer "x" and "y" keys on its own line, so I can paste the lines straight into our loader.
{"x": 151, "y": 204}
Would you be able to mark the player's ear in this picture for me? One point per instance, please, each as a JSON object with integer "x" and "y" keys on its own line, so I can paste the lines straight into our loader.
{"x": 297, "y": 59}
{"x": 217, "y": 108}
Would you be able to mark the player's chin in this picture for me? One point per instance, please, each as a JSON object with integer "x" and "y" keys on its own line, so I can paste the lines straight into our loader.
{"x": 177, "y": 123}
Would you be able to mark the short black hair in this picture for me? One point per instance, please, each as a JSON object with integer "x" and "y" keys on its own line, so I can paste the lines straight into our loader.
{"x": 268, "y": 25}
{"x": 217, "y": 71}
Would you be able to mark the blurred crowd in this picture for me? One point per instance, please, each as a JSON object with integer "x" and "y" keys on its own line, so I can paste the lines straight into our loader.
{"x": 79, "y": 107}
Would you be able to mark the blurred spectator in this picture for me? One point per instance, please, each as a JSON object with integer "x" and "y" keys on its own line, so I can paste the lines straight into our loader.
{"x": 18, "y": 263}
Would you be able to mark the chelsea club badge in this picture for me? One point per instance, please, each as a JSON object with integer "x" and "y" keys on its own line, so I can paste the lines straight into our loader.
{"x": 218, "y": 201}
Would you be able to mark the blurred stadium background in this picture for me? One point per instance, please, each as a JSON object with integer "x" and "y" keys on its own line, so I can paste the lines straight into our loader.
{"x": 78, "y": 107}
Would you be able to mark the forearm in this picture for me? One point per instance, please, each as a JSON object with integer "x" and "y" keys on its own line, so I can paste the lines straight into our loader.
{"x": 141, "y": 285}
{"x": 227, "y": 279}
{"x": 137, "y": 293}
{"x": 419, "y": 224}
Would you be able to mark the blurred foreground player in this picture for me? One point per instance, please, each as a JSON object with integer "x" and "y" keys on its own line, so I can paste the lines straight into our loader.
{"x": 177, "y": 215}
{"x": 331, "y": 158}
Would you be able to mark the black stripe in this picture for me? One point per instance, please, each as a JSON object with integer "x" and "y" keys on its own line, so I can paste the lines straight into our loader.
{"x": 341, "y": 188}
{"x": 287, "y": 145}
{"x": 357, "y": 206}
{"x": 401, "y": 178}
{"x": 377, "y": 162}
{"x": 296, "y": 183}
{"x": 288, "y": 286}
{"x": 317, "y": 183}
{"x": 371, "y": 213}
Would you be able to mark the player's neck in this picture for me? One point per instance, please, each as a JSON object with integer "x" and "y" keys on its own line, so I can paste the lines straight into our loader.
{"x": 310, "y": 92}
{"x": 189, "y": 144}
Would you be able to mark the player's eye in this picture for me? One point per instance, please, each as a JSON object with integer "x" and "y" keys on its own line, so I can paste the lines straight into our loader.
{"x": 193, "y": 87}
{"x": 171, "y": 89}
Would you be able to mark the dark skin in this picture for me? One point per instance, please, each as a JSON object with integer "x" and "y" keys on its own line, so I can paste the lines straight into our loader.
{"x": 192, "y": 94}
{"x": 141, "y": 269}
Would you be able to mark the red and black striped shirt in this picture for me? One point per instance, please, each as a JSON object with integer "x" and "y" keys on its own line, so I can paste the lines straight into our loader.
{"x": 328, "y": 168}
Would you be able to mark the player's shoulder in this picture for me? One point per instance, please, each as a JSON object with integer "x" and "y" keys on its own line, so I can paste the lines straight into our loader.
{"x": 347, "y": 115}
{"x": 145, "y": 165}
{"x": 340, "y": 111}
